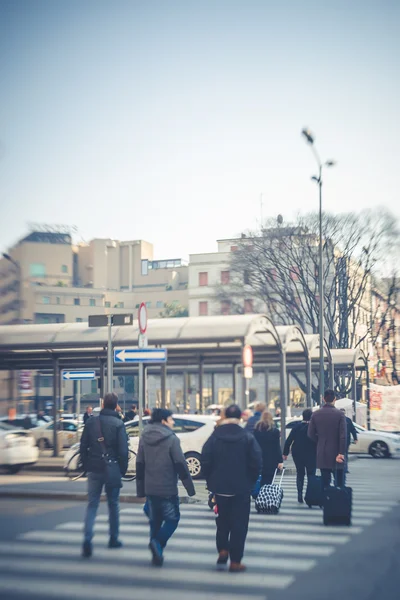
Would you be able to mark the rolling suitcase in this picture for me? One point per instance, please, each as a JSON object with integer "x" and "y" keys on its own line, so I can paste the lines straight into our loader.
{"x": 337, "y": 505}
{"x": 270, "y": 497}
{"x": 314, "y": 493}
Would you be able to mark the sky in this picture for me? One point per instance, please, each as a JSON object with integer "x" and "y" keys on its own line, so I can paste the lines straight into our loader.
{"x": 166, "y": 120}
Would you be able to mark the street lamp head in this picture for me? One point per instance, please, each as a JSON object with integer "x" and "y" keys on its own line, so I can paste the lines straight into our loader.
{"x": 330, "y": 163}
{"x": 308, "y": 135}
{"x": 315, "y": 178}
{"x": 7, "y": 256}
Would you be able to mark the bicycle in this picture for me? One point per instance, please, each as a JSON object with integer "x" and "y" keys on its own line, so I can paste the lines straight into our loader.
{"x": 74, "y": 469}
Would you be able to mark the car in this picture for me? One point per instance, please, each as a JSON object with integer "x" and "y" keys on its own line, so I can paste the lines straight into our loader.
{"x": 44, "y": 434}
{"x": 17, "y": 448}
{"x": 192, "y": 430}
{"x": 379, "y": 444}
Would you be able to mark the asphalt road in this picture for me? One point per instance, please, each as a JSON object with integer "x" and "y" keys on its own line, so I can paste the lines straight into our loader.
{"x": 291, "y": 556}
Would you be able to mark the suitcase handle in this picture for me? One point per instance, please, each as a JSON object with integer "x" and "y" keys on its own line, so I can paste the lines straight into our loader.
{"x": 275, "y": 474}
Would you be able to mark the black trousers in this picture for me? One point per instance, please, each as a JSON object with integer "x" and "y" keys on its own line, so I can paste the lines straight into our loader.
{"x": 232, "y": 524}
{"x": 302, "y": 467}
{"x": 326, "y": 475}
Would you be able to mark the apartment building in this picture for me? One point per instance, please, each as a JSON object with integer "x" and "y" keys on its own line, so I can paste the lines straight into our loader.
{"x": 45, "y": 278}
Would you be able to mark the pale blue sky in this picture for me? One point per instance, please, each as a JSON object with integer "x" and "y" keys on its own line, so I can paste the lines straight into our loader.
{"x": 165, "y": 119}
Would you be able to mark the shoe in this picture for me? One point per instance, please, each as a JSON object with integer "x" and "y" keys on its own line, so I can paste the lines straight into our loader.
{"x": 156, "y": 550}
{"x": 223, "y": 557}
{"x": 237, "y": 567}
{"x": 87, "y": 549}
{"x": 300, "y": 499}
{"x": 115, "y": 543}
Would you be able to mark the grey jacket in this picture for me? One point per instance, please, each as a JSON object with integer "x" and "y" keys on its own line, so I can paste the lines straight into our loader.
{"x": 159, "y": 462}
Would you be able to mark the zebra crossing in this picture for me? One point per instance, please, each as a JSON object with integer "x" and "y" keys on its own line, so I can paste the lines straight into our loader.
{"x": 47, "y": 563}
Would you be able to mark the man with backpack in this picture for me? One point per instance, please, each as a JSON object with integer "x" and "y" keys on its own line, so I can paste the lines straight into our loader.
{"x": 104, "y": 440}
{"x": 159, "y": 462}
{"x": 231, "y": 463}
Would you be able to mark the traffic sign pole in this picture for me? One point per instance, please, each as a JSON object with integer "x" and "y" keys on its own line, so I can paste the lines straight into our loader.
{"x": 110, "y": 363}
{"x": 78, "y": 399}
{"x": 140, "y": 398}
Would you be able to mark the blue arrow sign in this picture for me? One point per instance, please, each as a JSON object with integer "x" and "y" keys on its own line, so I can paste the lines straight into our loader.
{"x": 78, "y": 375}
{"x": 140, "y": 355}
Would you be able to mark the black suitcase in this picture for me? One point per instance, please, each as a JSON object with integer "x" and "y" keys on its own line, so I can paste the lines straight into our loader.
{"x": 314, "y": 493}
{"x": 337, "y": 505}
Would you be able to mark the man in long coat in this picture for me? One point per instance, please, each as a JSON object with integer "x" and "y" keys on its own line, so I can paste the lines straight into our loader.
{"x": 327, "y": 429}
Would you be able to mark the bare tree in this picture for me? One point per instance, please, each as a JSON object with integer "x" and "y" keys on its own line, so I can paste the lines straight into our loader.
{"x": 278, "y": 268}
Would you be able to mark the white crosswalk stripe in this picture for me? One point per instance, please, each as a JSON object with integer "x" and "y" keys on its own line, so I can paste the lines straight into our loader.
{"x": 47, "y": 563}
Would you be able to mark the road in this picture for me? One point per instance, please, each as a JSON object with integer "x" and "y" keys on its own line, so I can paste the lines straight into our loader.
{"x": 291, "y": 556}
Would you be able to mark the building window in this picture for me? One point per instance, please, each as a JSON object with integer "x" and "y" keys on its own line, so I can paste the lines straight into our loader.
{"x": 64, "y": 268}
{"x": 203, "y": 309}
{"x": 94, "y": 386}
{"x": 145, "y": 267}
{"x": 203, "y": 279}
{"x": 107, "y": 304}
{"x": 119, "y": 305}
{"x": 46, "y": 299}
{"x": 79, "y": 320}
{"x": 234, "y": 248}
{"x": 46, "y": 382}
{"x": 148, "y": 304}
{"x": 225, "y": 277}
{"x": 37, "y": 270}
{"x": 249, "y": 306}
{"x": 77, "y": 301}
{"x": 160, "y": 304}
{"x": 92, "y": 302}
{"x": 225, "y": 307}
{"x": 246, "y": 278}
{"x": 58, "y": 300}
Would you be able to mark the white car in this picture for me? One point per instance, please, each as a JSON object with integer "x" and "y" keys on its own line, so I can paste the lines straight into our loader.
{"x": 44, "y": 435}
{"x": 17, "y": 448}
{"x": 192, "y": 430}
{"x": 379, "y": 444}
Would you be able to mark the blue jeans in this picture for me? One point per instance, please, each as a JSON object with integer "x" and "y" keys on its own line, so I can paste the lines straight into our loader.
{"x": 164, "y": 517}
{"x": 96, "y": 481}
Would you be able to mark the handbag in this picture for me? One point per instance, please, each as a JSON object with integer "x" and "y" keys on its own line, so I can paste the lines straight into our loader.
{"x": 111, "y": 465}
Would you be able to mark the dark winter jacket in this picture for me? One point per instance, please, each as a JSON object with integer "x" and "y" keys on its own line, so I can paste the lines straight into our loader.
{"x": 159, "y": 462}
{"x": 269, "y": 441}
{"x": 304, "y": 450}
{"x": 252, "y": 422}
{"x": 231, "y": 459}
{"x": 86, "y": 417}
{"x": 328, "y": 429}
{"x": 129, "y": 416}
{"x": 350, "y": 431}
{"x": 115, "y": 440}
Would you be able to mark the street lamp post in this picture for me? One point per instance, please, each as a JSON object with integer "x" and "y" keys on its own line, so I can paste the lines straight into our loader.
{"x": 321, "y": 287}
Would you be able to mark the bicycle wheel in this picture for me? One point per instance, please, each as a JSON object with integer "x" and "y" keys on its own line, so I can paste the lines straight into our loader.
{"x": 130, "y": 475}
{"x": 74, "y": 469}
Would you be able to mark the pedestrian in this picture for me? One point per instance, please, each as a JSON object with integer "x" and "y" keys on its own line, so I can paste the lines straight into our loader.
{"x": 159, "y": 463}
{"x": 104, "y": 436}
{"x": 87, "y": 415}
{"x": 246, "y": 415}
{"x": 131, "y": 414}
{"x": 231, "y": 462}
{"x": 304, "y": 452}
{"x": 350, "y": 431}
{"x": 252, "y": 421}
{"x": 327, "y": 428}
{"x": 268, "y": 438}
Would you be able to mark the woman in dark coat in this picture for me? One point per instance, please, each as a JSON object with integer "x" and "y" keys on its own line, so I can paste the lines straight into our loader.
{"x": 304, "y": 451}
{"x": 267, "y": 435}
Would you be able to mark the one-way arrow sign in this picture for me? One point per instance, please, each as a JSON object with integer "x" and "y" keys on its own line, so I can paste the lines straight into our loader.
{"x": 78, "y": 375}
{"x": 142, "y": 355}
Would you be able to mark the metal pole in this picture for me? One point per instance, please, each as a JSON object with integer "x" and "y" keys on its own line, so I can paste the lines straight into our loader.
{"x": 368, "y": 400}
{"x": 283, "y": 396}
{"x": 321, "y": 297}
{"x": 110, "y": 364}
{"x": 354, "y": 392}
{"x": 55, "y": 406}
{"x": 140, "y": 398}
{"x": 163, "y": 386}
{"x": 309, "y": 402}
{"x": 201, "y": 374}
{"x": 101, "y": 381}
{"x": 78, "y": 398}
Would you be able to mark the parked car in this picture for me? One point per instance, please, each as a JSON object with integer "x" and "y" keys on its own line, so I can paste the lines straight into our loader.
{"x": 192, "y": 430}
{"x": 44, "y": 434}
{"x": 379, "y": 444}
{"x": 17, "y": 448}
